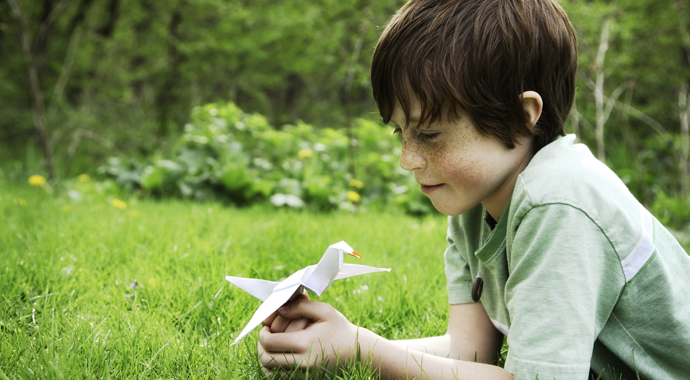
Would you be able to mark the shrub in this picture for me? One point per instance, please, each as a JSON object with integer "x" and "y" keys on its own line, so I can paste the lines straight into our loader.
{"x": 230, "y": 155}
{"x": 671, "y": 212}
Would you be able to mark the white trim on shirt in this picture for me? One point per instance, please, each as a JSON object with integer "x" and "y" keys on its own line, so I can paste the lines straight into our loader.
{"x": 500, "y": 327}
{"x": 644, "y": 248}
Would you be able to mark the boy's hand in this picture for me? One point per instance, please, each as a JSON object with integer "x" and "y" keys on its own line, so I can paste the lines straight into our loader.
{"x": 278, "y": 324}
{"x": 328, "y": 339}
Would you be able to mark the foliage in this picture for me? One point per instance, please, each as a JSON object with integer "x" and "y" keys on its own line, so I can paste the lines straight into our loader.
{"x": 634, "y": 69}
{"x": 671, "y": 211}
{"x": 120, "y": 78}
{"x": 230, "y": 155}
{"x": 125, "y": 74}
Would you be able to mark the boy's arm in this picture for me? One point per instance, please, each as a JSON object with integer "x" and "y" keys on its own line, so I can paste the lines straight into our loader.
{"x": 434, "y": 345}
{"x": 396, "y": 362}
{"x": 470, "y": 335}
{"x": 331, "y": 338}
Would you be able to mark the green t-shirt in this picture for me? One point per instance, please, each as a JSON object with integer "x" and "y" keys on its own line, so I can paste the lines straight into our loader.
{"x": 577, "y": 274}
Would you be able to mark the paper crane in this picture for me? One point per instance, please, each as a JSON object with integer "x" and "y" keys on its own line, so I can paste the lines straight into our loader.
{"x": 316, "y": 278}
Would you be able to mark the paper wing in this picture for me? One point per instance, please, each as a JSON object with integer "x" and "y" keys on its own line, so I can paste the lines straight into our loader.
{"x": 350, "y": 270}
{"x": 260, "y": 289}
{"x": 272, "y": 303}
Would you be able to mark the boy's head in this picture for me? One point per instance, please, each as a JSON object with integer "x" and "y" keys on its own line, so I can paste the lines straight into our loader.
{"x": 479, "y": 56}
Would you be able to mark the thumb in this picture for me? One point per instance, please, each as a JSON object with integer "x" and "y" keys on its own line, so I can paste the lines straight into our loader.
{"x": 303, "y": 308}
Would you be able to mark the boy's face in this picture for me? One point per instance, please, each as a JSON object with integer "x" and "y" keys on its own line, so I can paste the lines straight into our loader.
{"x": 457, "y": 166}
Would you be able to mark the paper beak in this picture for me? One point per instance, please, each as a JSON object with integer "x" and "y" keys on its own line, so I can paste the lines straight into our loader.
{"x": 355, "y": 254}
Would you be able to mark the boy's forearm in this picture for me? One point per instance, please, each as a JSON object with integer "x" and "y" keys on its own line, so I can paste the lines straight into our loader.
{"x": 435, "y": 345}
{"x": 398, "y": 361}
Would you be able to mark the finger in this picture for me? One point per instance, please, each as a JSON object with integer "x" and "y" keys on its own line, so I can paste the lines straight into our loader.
{"x": 267, "y": 372}
{"x": 296, "y": 325}
{"x": 277, "y": 344}
{"x": 305, "y": 294}
{"x": 269, "y": 321}
{"x": 279, "y": 324}
{"x": 263, "y": 356}
{"x": 303, "y": 308}
{"x": 278, "y": 361}
{"x": 267, "y": 359}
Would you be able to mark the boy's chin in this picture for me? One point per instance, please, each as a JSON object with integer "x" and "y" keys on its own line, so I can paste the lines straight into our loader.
{"x": 450, "y": 210}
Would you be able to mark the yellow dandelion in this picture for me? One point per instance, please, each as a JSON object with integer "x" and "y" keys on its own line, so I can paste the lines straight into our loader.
{"x": 353, "y": 196}
{"x": 119, "y": 204}
{"x": 356, "y": 183}
{"x": 83, "y": 178}
{"x": 37, "y": 180}
{"x": 304, "y": 153}
{"x": 66, "y": 208}
{"x": 20, "y": 202}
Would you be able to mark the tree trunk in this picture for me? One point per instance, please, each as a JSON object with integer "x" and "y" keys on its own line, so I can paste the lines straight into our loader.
{"x": 684, "y": 109}
{"x": 599, "y": 90}
{"x": 166, "y": 98}
{"x": 37, "y": 106}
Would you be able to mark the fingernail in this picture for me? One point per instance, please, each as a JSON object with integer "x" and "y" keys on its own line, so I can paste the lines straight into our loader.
{"x": 283, "y": 310}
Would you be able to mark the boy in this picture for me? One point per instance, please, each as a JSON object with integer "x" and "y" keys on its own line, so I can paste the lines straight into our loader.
{"x": 546, "y": 245}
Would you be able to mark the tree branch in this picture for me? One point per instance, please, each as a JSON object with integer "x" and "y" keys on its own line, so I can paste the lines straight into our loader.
{"x": 45, "y": 25}
{"x": 66, "y": 69}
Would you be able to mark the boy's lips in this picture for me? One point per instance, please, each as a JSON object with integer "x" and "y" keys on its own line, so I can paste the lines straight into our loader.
{"x": 428, "y": 189}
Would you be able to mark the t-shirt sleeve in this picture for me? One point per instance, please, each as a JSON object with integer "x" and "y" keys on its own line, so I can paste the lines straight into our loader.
{"x": 565, "y": 279}
{"x": 458, "y": 274}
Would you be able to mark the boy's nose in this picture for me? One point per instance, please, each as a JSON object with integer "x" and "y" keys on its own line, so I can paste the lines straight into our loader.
{"x": 411, "y": 158}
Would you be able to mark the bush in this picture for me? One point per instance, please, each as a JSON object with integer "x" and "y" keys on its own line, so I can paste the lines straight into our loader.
{"x": 230, "y": 155}
{"x": 671, "y": 212}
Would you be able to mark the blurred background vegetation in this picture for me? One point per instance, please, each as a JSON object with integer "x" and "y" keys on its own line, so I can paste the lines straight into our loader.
{"x": 250, "y": 100}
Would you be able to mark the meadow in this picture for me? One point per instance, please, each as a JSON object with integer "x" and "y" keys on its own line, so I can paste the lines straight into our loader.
{"x": 95, "y": 285}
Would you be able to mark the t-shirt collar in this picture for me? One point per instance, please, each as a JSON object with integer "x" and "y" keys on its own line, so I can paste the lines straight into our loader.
{"x": 497, "y": 237}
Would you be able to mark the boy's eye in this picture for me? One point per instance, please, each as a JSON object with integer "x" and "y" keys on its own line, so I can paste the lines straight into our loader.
{"x": 427, "y": 136}
{"x": 397, "y": 132}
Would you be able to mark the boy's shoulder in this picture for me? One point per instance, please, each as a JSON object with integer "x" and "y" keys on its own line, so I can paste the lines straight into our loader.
{"x": 566, "y": 172}
{"x": 566, "y": 178}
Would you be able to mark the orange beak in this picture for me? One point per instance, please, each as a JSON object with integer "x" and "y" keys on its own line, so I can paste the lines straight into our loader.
{"x": 355, "y": 254}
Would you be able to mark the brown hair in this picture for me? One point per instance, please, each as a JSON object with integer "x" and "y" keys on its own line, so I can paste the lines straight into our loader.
{"x": 479, "y": 55}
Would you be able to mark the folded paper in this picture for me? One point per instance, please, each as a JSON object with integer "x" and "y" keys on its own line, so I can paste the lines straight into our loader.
{"x": 316, "y": 278}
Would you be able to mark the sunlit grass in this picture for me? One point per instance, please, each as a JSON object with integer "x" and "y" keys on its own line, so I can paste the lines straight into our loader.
{"x": 119, "y": 288}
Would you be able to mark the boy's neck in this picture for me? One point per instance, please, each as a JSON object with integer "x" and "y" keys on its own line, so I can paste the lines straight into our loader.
{"x": 496, "y": 203}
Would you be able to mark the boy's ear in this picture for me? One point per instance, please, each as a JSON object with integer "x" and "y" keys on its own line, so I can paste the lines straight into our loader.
{"x": 532, "y": 104}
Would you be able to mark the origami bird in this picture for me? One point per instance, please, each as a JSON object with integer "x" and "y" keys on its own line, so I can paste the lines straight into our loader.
{"x": 316, "y": 278}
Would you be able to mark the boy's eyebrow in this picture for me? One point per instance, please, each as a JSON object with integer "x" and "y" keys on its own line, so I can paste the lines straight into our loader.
{"x": 412, "y": 119}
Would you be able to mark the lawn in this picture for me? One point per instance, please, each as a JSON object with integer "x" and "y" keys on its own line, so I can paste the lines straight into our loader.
{"x": 96, "y": 288}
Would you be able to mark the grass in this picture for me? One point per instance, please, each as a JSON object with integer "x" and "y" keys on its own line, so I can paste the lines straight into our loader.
{"x": 91, "y": 290}
{"x": 97, "y": 288}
